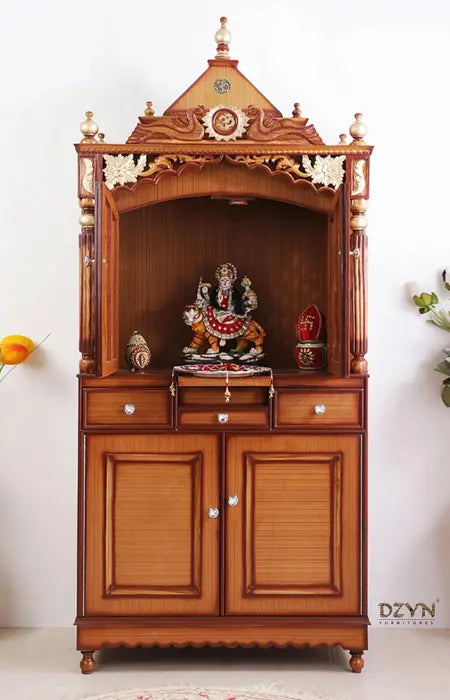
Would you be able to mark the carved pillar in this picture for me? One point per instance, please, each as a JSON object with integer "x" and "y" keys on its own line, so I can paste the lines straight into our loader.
{"x": 358, "y": 286}
{"x": 89, "y": 130}
{"x": 359, "y": 193}
{"x": 87, "y": 306}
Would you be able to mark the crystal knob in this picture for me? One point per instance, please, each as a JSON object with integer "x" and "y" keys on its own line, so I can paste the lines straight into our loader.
{"x": 320, "y": 409}
{"x": 233, "y": 500}
{"x": 213, "y": 513}
{"x": 222, "y": 417}
{"x": 129, "y": 409}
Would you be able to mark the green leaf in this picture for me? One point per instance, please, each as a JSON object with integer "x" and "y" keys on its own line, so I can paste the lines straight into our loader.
{"x": 434, "y": 298}
{"x": 447, "y": 286}
{"x": 446, "y": 396}
{"x": 443, "y": 368}
{"x": 425, "y": 310}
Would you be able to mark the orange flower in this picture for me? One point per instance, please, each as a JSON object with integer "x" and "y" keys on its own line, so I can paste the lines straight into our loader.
{"x": 15, "y": 349}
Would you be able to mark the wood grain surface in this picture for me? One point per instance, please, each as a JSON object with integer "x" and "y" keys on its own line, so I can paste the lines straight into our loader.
{"x": 106, "y": 407}
{"x": 297, "y": 408}
{"x": 150, "y": 546}
{"x": 292, "y": 542}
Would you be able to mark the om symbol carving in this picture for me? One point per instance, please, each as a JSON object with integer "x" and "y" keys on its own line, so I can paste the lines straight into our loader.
{"x": 222, "y": 86}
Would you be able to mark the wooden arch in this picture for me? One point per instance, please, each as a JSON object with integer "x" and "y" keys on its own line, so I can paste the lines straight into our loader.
{"x": 225, "y": 179}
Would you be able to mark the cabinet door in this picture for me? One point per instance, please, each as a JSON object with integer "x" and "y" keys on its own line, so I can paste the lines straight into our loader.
{"x": 107, "y": 283}
{"x": 292, "y": 540}
{"x": 151, "y": 548}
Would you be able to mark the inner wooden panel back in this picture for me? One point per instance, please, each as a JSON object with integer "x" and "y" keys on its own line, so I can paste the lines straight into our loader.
{"x": 165, "y": 248}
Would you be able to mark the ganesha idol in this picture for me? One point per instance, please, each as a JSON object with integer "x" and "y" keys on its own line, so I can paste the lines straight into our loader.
{"x": 220, "y": 320}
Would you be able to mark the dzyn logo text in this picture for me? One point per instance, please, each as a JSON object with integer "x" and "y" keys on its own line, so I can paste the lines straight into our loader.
{"x": 407, "y": 613}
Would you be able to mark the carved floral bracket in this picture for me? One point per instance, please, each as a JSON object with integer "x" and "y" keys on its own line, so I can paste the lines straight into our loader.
{"x": 321, "y": 171}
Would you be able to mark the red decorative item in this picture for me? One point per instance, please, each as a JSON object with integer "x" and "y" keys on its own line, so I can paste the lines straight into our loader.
{"x": 311, "y": 324}
{"x": 311, "y": 349}
{"x": 311, "y": 355}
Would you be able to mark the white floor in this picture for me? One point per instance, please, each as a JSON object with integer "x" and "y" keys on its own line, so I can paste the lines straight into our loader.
{"x": 41, "y": 664}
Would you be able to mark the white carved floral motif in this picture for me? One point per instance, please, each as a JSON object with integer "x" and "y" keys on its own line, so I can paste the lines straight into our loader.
{"x": 120, "y": 170}
{"x": 87, "y": 176}
{"x": 359, "y": 177}
{"x": 328, "y": 170}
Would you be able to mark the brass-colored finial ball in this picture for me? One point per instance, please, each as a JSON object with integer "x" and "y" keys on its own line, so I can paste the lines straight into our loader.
{"x": 358, "y": 130}
{"x": 297, "y": 112}
{"x": 89, "y": 127}
{"x": 149, "y": 112}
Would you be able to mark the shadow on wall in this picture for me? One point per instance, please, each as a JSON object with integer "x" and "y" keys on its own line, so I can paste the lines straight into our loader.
{"x": 7, "y": 597}
{"x": 412, "y": 561}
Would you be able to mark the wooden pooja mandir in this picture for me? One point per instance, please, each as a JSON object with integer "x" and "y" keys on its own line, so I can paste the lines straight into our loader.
{"x": 203, "y": 522}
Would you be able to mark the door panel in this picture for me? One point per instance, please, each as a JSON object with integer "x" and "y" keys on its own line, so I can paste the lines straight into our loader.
{"x": 150, "y": 546}
{"x": 292, "y": 542}
{"x": 107, "y": 269}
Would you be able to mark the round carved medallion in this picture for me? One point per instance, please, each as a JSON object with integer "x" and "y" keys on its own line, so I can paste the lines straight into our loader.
{"x": 225, "y": 123}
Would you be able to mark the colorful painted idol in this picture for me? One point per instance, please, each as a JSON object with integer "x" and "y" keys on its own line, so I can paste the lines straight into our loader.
{"x": 220, "y": 318}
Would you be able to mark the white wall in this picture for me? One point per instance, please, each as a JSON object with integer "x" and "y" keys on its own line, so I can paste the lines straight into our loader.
{"x": 388, "y": 60}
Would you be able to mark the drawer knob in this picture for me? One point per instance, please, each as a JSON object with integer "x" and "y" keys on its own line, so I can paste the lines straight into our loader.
{"x": 320, "y": 409}
{"x": 222, "y": 417}
{"x": 213, "y": 513}
{"x": 233, "y": 500}
{"x": 129, "y": 409}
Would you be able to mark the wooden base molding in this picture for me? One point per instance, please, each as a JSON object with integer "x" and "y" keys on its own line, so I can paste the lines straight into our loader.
{"x": 349, "y": 633}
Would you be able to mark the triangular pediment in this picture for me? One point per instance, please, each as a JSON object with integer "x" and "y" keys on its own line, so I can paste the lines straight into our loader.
{"x": 222, "y": 105}
{"x": 222, "y": 83}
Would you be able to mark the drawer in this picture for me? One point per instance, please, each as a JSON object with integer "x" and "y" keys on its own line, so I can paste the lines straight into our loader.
{"x": 214, "y": 396}
{"x": 224, "y": 418}
{"x": 316, "y": 408}
{"x": 134, "y": 408}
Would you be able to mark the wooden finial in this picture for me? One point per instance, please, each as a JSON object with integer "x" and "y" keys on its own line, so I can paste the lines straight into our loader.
{"x": 358, "y": 130}
{"x": 223, "y": 39}
{"x": 88, "y": 128}
{"x": 343, "y": 140}
{"x": 297, "y": 112}
{"x": 101, "y": 137}
{"x": 149, "y": 112}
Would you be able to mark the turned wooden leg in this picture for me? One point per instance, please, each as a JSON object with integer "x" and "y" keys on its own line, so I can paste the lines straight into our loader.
{"x": 87, "y": 663}
{"x": 356, "y": 661}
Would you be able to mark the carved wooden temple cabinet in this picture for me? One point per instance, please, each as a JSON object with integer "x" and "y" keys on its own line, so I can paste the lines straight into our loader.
{"x": 201, "y": 521}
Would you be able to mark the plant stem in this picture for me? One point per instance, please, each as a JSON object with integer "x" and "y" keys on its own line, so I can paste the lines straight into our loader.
{"x": 442, "y": 321}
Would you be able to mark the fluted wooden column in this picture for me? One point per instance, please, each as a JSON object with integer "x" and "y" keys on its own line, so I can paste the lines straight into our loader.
{"x": 359, "y": 193}
{"x": 87, "y": 296}
{"x": 358, "y": 286}
{"x": 86, "y": 188}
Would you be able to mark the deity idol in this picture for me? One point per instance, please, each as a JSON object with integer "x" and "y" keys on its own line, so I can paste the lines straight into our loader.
{"x": 221, "y": 314}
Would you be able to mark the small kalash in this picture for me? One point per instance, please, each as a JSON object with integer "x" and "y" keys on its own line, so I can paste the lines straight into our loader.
{"x": 221, "y": 319}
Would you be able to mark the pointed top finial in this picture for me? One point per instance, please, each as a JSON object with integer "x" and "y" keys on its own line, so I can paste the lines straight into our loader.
{"x": 223, "y": 38}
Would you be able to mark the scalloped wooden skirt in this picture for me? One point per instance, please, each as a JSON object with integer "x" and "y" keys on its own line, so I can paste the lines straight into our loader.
{"x": 347, "y": 632}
